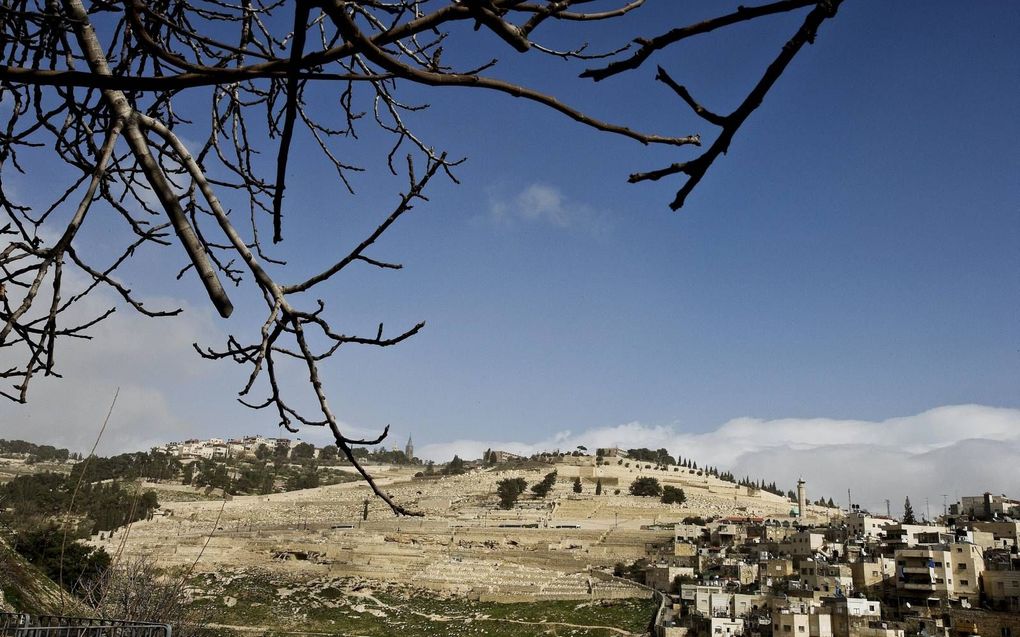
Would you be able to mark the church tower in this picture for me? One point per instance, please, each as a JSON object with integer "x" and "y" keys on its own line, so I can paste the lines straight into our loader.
{"x": 409, "y": 449}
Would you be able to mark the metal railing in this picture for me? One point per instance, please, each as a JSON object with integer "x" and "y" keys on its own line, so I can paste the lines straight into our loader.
{"x": 22, "y": 625}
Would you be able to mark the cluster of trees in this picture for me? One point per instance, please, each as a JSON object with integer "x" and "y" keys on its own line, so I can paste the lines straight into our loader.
{"x": 761, "y": 485}
{"x": 207, "y": 473}
{"x": 258, "y": 477}
{"x": 153, "y": 466}
{"x": 659, "y": 456}
{"x": 305, "y": 453}
{"x": 650, "y": 488}
{"x": 35, "y": 453}
{"x": 383, "y": 455}
{"x": 37, "y": 499}
{"x": 76, "y": 565}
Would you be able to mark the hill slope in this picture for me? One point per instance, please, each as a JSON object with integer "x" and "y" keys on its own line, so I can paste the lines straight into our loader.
{"x": 23, "y": 588}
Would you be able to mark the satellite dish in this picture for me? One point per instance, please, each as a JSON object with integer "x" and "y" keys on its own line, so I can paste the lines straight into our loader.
{"x": 907, "y": 604}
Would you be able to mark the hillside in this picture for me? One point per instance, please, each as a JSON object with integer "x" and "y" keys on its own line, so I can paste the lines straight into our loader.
{"x": 542, "y": 548}
{"x": 23, "y": 588}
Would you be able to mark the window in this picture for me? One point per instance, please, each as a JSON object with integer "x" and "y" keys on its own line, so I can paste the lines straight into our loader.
{"x": 800, "y": 629}
{"x": 964, "y": 582}
{"x": 786, "y": 628}
{"x": 961, "y": 567}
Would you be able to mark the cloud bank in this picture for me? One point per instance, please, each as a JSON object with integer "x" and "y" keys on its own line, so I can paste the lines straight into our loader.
{"x": 952, "y": 451}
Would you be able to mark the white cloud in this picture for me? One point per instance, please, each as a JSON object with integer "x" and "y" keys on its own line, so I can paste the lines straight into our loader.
{"x": 541, "y": 203}
{"x": 150, "y": 360}
{"x": 953, "y": 450}
{"x": 167, "y": 392}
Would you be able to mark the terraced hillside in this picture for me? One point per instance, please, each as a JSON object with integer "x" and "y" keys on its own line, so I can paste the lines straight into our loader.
{"x": 550, "y": 548}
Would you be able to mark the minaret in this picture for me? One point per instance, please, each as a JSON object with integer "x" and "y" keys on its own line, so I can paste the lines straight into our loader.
{"x": 801, "y": 498}
{"x": 409, "y": 449}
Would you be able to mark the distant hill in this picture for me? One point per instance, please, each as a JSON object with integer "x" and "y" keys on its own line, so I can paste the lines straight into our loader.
{"x": 23, "y": 588}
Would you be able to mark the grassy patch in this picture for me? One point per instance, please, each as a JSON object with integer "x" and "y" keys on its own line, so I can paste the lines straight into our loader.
{"x": 347, "y": 607}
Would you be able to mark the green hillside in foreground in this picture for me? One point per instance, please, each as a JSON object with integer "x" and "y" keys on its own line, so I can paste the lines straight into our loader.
{"x": 25, "y": 589}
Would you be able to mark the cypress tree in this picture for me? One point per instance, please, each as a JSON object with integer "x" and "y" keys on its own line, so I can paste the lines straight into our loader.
{"x": 908, "y": 512}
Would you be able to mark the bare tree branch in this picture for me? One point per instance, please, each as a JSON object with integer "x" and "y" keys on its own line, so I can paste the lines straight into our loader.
{"x": 158, "y": 117}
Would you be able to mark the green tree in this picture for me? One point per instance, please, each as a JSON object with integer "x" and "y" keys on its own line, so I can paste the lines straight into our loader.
{"x": 508, "y": 490}
{"x": 77, "y": 565}
{"x": 541, "y": 489}
{"x": 455, "y": 467}
{"x": 598, "y": 487}
{"x": 673, "y": 495}
{"x": 648, "y": 487}
{"x": 306, "y": 478}
{"x": 908, "y": 512}
{"x": 577, "y": 485}
{"x": 302, "y": 451}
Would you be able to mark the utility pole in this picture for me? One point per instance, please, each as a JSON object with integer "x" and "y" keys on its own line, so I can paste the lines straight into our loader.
{"x": 945, "y": 509}
{"x": 849, "y": 501}
{"x": 927, "y": 510}
{"x": 888, "y": 510}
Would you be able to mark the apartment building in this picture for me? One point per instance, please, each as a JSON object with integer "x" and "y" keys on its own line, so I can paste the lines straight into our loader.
{"x": 951, "y": 571}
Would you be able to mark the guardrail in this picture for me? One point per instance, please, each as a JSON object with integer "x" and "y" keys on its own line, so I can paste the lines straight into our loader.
{"x": 22, "y": 625}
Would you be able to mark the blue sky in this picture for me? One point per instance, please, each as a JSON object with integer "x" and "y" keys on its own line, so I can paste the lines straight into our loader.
{"x": 854, "y": 256}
